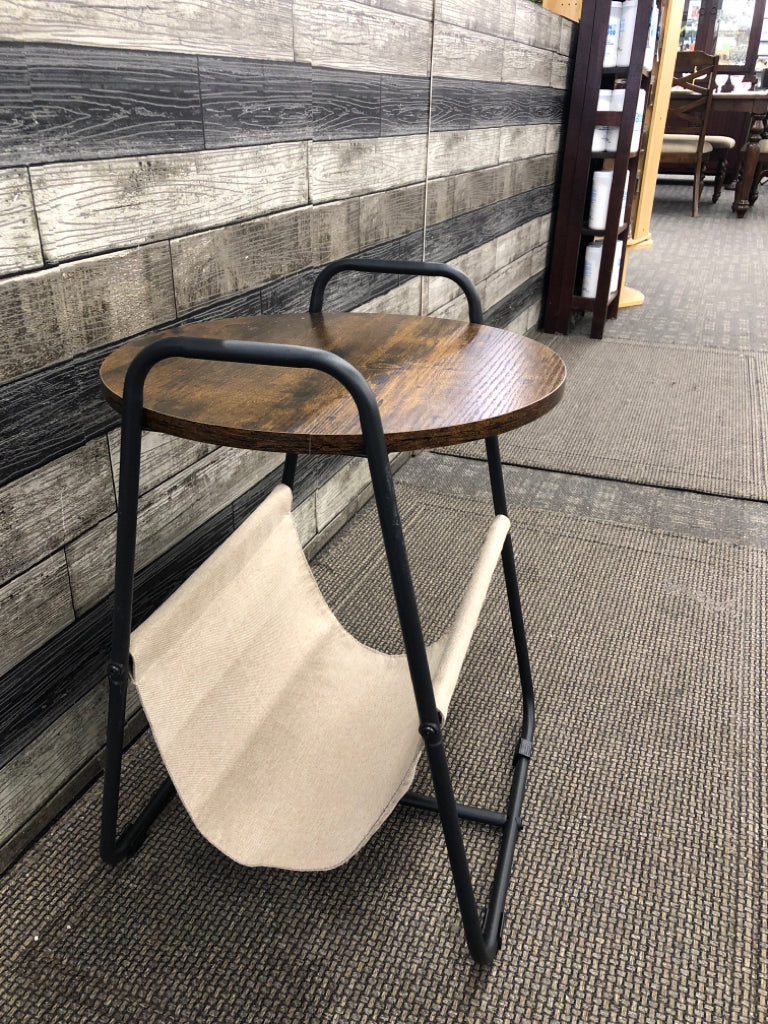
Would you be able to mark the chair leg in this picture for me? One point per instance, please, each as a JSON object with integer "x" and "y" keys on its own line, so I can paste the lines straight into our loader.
{"x": 722, "y": 164}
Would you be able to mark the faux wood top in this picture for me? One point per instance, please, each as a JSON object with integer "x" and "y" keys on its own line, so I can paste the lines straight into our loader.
{"x": 437, "y": 382}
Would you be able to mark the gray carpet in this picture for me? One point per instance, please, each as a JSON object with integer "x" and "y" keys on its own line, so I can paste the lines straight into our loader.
{"x": 638, "y": 893}
{"x": 660, "y": 414}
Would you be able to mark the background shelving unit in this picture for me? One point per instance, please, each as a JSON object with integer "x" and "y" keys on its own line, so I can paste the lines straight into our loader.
{"x": 572, "y": 233}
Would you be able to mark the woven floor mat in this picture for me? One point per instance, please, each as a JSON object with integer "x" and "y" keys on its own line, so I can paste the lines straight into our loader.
{"x": 695, "y": 419}
{"x": 637, "y": 892}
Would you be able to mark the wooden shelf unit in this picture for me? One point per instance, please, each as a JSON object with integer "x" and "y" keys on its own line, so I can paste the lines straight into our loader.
{"x": 579, "y": 163}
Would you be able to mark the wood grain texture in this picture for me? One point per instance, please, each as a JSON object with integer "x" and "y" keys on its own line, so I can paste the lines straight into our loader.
{"x": 109, "y": 204}
{"x": 43, "y": 780}
{"x": 405, "y": 298}
{"x": 388, "y": 215}
{"x": 41, "y": 512}
{"x": 413, "y": 8}
{"x": 469, "y": 230}
{"x": 254, "y": 102}
{"x": 358, "y": 166}
{"x": 451, "y": 105}
{"x": 487, "y": 16}
{"x": 240, "y": 257}
{"x": 348, "y": 291}
{"x": 348, "y": 34}
{"x": 33, "y": 608}
{"x": 166, "y": 514}
{"x": 55, "y": 314}
{"x": 478, "y": 381}
{"x": 162, "y": 456}
{"x": 537, "y": 27}
{"x": 521, "y": 142}
{"x": 228, "y": 27}
{"x": 19, "y": 240}
{"x": 335, "y": 230}
{"x": 51, "y": 680}
{"x": 404, "y": 105}
{"x": 85, "y": 103}
{"x": 345, "y": 104}
{"x": 526, "y": 64}
{"x": 66, "y": 396}
{"x": 460, "y": 53}
{"x": 527, "y": 294}
{"x": 454, "y": 152}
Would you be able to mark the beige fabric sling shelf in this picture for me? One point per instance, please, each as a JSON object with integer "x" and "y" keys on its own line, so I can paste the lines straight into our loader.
{"x": 288, "y": 741}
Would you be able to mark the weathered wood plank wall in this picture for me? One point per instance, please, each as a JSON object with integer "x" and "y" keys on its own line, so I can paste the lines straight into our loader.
{"x": 168, "y": 162}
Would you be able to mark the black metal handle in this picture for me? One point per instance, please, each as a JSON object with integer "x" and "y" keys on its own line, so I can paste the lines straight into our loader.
{"x": 410, "y": 267}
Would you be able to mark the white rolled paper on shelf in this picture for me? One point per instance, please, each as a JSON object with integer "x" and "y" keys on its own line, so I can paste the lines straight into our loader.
{"x": 612, "y": 38}
{"x": 592, "y": 255}
{"x": 626, "y": 32}
{"x": 598, "y": 206}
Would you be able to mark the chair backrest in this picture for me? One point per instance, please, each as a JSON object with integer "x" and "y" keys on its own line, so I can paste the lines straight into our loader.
{"x": 694, "y": 74}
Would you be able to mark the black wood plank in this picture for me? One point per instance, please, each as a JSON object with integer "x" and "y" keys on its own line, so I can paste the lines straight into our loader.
{"x": 345, "y": 104}
{"x": 449, "y": 238}
{"x": 451, "y": 104}
{"x": 516, "y": 302}
{"x": 547, "y": 106}
{"x": 498, "y": 103}
{"x": 252, "y": 102}
{"x": 48, "y": 682}
{"x": 86, "y": 102}
{"x": 50, "y": 413}
{"x": 404, "y": 105}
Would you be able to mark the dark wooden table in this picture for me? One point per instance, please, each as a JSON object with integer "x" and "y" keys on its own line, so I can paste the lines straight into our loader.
{"x": 754, "y": 105}
{"x": 437, "y": 382}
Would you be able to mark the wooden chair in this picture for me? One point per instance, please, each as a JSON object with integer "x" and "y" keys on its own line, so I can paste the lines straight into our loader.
{"x": 694, "y": 79}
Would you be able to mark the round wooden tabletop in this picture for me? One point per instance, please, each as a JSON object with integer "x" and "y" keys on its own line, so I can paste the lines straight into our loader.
{"x": 437, "y": 382}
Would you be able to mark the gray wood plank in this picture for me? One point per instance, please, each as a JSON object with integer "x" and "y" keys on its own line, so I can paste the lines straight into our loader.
{"x": 110, "y": 204}
{"x": 19, "y": 240}
{"x": 240, "y": 257}
{"x": 41, "y": 512}
{"x": 254, "y": 102}
{"x": 47, "y": 778}
{"x": 40, "y": 689}
{"x": 527, "y": 294}
{"x": 85, "y": 103}
{"x": 55, "y": 314}
{"x": 476, "y": 15}
{"x": 349, "y": 34}
{"x": 335, "y": 230}
{"x": 537, "y": 27}
{"x": 33, "y": 608}
{"x": 519, "y": 142}
{"x": 414, "y": 8}
{"x": 526, "y": 64}
{"x": 461, "y": 53}
{"x": 162, "y": 456}
{"x": 358, "y": 166}
{"x": 454, "y": 152}
{"x": 166, "y": 514}
{"x": 234, "y": 28}
{"x": 388, "y": 215}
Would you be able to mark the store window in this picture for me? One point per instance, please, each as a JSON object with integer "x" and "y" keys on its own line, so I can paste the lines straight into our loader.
{"x": 735, "y": 30}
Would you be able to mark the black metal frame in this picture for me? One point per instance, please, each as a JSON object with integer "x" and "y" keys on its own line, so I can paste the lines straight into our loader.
{"x": 483, "y": 939}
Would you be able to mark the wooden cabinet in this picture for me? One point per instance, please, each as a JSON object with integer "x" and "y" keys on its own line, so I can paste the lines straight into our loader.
{"x": 573, "y": 234}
